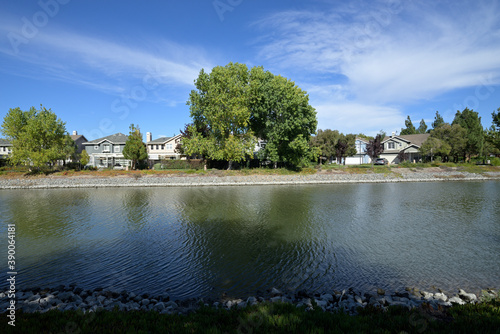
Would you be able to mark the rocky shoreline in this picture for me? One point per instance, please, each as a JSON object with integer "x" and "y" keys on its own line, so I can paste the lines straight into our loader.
{"x": 65, "y": 298}
{"x": 188, "y": 180}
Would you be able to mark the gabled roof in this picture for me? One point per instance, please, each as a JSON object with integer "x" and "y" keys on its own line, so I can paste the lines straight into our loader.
{"x": 363, "y": 140}
{"x": 416, "y": 140}
{"x": 76, "y": 137}
{"x": 5, "y": 142}
{"x": 117, "y": 138}
{"x": 163, "y": 140}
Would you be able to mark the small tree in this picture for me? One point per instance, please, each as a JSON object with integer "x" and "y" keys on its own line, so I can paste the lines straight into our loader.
{"x": 84, "y": 158}
{"x": 135, "y": 150}
{"x": 345, "y": 147}
{"x": 69, "y": 149}
{"x": 374, "y": 148}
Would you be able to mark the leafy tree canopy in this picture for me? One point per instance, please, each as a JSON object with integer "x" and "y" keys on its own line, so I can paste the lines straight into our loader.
{"x": 471, "y": 122}
{"x": 422, "y": 127}
{"x": 37, "y": 136}
{"x": 135, "y": 149}
{"x": 325, "y": 141}
{"x": 375, "y": 147}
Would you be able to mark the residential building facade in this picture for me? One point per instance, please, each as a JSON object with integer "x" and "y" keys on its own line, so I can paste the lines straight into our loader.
{"x": 408, "y": 144}
{"x": 79, "y": 140}
{"x": 107, "y": 152}
{"x": 360, "y": 157}
{"x": 162, "y": 148}
{"x": 5, "y": 149}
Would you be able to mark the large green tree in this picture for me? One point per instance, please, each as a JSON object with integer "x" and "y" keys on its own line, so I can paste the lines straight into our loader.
{"x": 37, "y": 136}
{"x": 435, "y": 147}
{"x": 455, "y": 136}
{"x": 220, "y": 105}
{"x": 410, "y": 128}
{"x": 471, "y": 122}
{"x": 325, "y": 141}
{"x": 135, "y": 149}
{"x": 281, "y": 115}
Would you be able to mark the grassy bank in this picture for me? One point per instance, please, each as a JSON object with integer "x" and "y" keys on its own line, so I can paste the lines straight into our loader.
{"x": 22, "y": 172}
{"x": 266, "y": 318}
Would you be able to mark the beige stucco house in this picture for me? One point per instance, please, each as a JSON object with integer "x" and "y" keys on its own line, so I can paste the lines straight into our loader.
{"x": 409, "y": 144}
{"x": 162, "y": 148}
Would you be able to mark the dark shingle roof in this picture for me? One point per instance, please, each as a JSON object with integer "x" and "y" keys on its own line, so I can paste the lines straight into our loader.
{"x": 76, "y": 137}
{"x": 160, "y": 140}
{"x": 417, "y": 140}
{"x": 5, "y": 142}
{"x": 117, "y": 138}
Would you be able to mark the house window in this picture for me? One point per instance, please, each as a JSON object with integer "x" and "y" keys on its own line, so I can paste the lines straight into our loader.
{"x": 162, "y": 147}
{"x": 156, "y": 146}
{"x": 96, "y": 147}
{"x": 117, "y": 149}
{"x": 105, "y": 148}
{"x": 169, "y": 146}
{"x": 391, "y": 145}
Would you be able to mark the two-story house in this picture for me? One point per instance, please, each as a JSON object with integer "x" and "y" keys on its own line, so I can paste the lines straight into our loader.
{"x": 162, "y": 148}
{"x": 79, "y": 140}
{"x": 409, "y": 144}
{"x": 5, "y": 150}
{"x": 107, "y": 152}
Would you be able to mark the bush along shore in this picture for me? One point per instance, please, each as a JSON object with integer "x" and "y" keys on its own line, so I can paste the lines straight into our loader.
{"x": 98, "y": 310}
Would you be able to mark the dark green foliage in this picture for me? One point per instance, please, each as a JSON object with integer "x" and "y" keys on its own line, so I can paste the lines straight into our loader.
{"x": 471, "y": 122}
{"x": 135, "y": 149}
{"x": 375, "y": 147}
{"x": 180, "y": 164}
{"x": 438, "y": 120}
{"x": 325, "y": 141}
{"x": 345, "y": 147}
{"x": 422, "y": 127}
{"x": 410, "y": 128}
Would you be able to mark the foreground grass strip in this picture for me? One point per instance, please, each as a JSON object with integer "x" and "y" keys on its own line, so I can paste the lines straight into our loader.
{"x": 266, "y": 318}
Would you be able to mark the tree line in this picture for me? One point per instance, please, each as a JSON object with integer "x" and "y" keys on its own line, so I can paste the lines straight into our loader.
{"x": 463, "y": 138}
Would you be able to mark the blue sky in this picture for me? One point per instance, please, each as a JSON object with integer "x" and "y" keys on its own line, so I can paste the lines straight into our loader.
{"x": 102, "y": 65}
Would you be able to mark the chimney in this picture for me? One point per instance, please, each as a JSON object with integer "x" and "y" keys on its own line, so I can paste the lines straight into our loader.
{"x": 393, "y": 134}
{"x": 75, "y": 133}
{"x": 148, "y": 137}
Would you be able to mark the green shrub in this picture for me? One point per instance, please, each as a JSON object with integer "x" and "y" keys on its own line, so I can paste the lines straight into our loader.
{"x": 494, "y": 161}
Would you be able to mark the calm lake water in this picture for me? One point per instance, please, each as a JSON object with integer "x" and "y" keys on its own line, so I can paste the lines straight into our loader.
{"x": 201, "y": 242}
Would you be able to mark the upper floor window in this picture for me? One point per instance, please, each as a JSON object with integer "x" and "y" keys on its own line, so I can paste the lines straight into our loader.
{"x": 96, "y": 147}
{"x": 391, "y": 145}
{"x": 162, "y": 147}
{"x": 169, "y": 146}
{"x": 117, "y": 149}
{"x": 105, "y": 148}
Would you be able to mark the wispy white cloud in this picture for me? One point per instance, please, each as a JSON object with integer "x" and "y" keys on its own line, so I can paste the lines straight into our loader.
{"x": 105, "y": 65}
{"x": 390, "y": 52}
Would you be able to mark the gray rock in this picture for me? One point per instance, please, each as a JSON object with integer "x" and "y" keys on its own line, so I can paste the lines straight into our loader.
{"x": 252, "y": 301}
{"x": 358, "y": 300}
{"x": 171, "y": 304}
{"x": 159, "y": 307}
{"x": 381, "y": 291}
{"x": 321, "y": 303}
{"x": 242, "y": 304}
{"x": 65, "y": 296}
{"x": 440, "y": 297}
{"x": 145, "y": 302}
{"x": 469, "y": 297}
{"x": 456, "y": 300}
{"x": 275, "y": 292}
{"x": 275, "y": 299}
{"x": 328, "y": 297}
